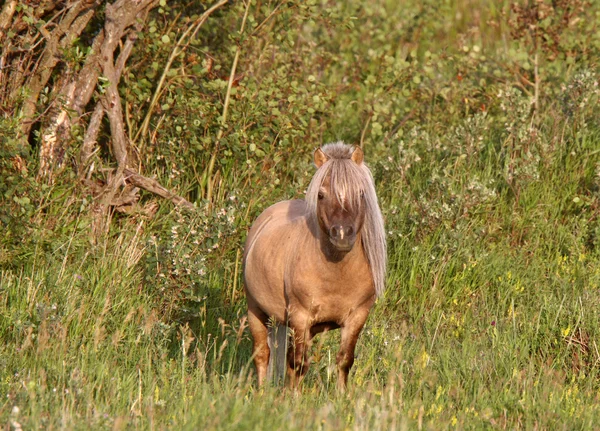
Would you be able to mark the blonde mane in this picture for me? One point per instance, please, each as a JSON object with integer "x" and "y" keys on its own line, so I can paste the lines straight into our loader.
{"x": 350, "y": 181}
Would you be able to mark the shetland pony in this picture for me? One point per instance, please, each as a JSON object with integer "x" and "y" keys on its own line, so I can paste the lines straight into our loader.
{"x": 316, "y": 264}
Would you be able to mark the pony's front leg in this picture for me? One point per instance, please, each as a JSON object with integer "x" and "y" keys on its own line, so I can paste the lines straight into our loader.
{"x": 257, "y": 322}
{"x": 298, "y": 353}
{"x": 350, "y": 331}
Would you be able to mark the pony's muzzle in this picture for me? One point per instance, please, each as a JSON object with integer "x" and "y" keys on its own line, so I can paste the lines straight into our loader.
{"x": 342, "y": 237}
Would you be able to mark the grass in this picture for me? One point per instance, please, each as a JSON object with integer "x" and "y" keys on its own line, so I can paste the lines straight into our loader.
{"x": 501, "y": 340}
{"x": 491, "y": 323}
{"x": 490, "y": 318}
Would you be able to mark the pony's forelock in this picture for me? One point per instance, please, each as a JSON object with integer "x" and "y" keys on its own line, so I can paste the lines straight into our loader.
{"x": 350, "y": 182}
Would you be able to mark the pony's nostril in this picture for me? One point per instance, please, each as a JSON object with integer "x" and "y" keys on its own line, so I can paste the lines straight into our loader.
{"x": 349, "y": 230}
{"x": 333, "y": 231}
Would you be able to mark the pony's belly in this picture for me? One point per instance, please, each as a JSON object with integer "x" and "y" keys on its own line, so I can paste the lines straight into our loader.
{"x": 337, "y": 309}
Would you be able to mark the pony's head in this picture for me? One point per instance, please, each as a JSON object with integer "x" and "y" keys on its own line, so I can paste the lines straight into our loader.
{"x": 342, "y": 204}
{"x": 339, "y": 211}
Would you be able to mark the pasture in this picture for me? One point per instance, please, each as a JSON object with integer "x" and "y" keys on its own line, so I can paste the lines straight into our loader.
{"x": 479, "y": 122}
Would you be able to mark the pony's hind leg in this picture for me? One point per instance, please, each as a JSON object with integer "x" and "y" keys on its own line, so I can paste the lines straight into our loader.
{"x": 257, "y": 322}
{"x": 350, "y": 331}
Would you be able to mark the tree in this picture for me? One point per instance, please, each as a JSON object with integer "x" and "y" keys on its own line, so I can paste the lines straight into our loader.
{"x": 60, "y": 68}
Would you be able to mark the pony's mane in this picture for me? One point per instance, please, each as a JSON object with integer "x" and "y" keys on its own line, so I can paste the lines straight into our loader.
{"x": 348, "y": 182}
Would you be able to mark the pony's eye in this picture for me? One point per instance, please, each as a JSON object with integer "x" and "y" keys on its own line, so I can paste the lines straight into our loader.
{"x": 320, "y": 195}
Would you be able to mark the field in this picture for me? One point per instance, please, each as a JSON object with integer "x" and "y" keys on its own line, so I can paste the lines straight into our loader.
{"x": 480, "y": 123}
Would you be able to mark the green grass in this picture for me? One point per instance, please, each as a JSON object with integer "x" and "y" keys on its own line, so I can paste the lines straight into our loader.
{"x": 490, "y": 322}
{"x": 490, "y": 319}
{"x": 484, "y": 335}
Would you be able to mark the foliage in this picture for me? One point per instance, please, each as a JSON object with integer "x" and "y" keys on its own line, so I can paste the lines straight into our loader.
{"x": 492, "y": 210}
{"x": 18, "y": 192}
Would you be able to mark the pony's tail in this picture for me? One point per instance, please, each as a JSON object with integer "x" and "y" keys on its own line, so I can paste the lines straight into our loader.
{"x": 278, "y": 345}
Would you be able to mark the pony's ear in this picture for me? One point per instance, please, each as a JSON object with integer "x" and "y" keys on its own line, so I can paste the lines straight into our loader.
{"x": 320, "y": 157}
{"x": 358, "y": 156}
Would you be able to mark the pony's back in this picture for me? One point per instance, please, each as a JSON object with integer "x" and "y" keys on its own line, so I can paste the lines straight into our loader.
{"x": 279, "y": 215}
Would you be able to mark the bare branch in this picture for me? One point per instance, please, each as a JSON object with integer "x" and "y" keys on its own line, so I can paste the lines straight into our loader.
{"x": 93, "y": 129}
{"x": 90, "y": 139}
{"x": 88, "y": 76}
{"x": 75, "y": 95}
{"x": 70, "y": 27}
{"x": 119, "y": 16}
{"x": 154, "y": 186}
